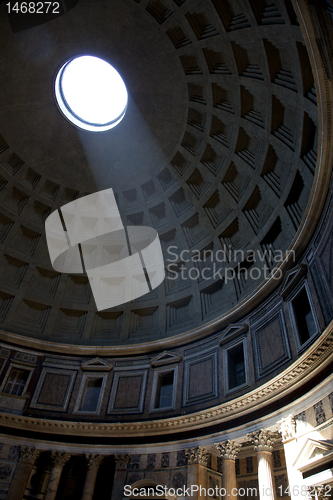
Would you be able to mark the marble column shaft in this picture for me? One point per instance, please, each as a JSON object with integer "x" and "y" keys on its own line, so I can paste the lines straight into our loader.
{"x": 59, "y": 460}
{"x": 22, "y": 473}
{"x": 120, "y": 474}
{"x": 265, "y": 475}
{"x": 229, "y": 479}
{"x": 291, "y": 451}
{"x": 263, "y": 441}
{"x": 94, "y": 462}
{"x": 228, "y": 452}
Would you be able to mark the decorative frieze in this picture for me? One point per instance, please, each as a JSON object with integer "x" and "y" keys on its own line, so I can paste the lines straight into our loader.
{"x": 165, "y": 460}
{"x": 237, "y": 466}
{"x": 319, "y": 413}
{"x": 249, "y": 465}
{"x": 276, "y": 459}
{"x": 134, "y": 462}
{"x": 151, "y": 459}
{"x": 181, "y": 458}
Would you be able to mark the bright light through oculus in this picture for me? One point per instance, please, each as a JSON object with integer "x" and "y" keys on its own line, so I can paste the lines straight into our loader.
{"x": 91, "y": 93}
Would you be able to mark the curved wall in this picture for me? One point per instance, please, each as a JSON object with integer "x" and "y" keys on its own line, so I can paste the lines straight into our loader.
{"x": 280, "y": 364}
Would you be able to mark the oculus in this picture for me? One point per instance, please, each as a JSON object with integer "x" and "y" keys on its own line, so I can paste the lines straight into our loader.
{"x": 91, "y": 93}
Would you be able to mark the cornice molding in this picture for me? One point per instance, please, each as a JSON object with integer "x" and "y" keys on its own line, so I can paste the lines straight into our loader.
{"x": 316, "y": 358}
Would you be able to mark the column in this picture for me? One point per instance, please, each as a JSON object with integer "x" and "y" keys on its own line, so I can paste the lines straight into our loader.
{"x": 263, "y": 442}
{"x": 22, "y": 473}
{"x": 122, "y": 462}
{"x": 228, "y": 452}
{"x": 318, "y": 492}
{"x": 295, "y": 477}
{"x": 94, "y": 462}
{"x": 58, "y": 461}
{"x": 197, "y": 463}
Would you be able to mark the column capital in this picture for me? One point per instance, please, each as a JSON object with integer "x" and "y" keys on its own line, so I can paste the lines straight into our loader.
{"x": 59, "y": 458}
{"x": 197, "y": 456}
{"x": 316, "y": 492}
{"x": 263, "y": 440}
{"x": 122, "y": 461}
{"x": 228, "y": 449}
{"x": 94, "y": 460}
{"x": 287, "y": 427}
{"x": 28, "y": 455}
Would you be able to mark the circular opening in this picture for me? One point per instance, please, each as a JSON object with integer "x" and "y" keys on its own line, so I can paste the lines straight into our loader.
{"x": 91, "y": 93}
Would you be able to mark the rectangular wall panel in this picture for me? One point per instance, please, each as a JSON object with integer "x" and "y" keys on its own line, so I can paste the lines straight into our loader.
{"x": 54, "y": 389}
{"x": 128, "y": 392}
{"x": 200, "y": 378}
{"x": 271, "y": 346}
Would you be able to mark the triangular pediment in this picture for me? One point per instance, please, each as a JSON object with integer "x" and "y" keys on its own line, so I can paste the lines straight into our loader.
{"x": 312, "y": 452}
{"x": 233, "y": 331}
{"x": 292, "y": 277}
{"x": 317, "y": 453}
{"x": 96, "y": 364}
{"x": 166, "y": 358}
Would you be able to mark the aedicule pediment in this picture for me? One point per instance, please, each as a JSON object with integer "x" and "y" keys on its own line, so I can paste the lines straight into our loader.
{"x": 166, "y": 358}
{"x": 96, "y": 364}
{"x": 313, "y": 453}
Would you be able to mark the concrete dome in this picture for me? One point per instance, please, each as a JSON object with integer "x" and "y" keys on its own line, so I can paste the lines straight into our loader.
{"x": 217, "y": 152}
